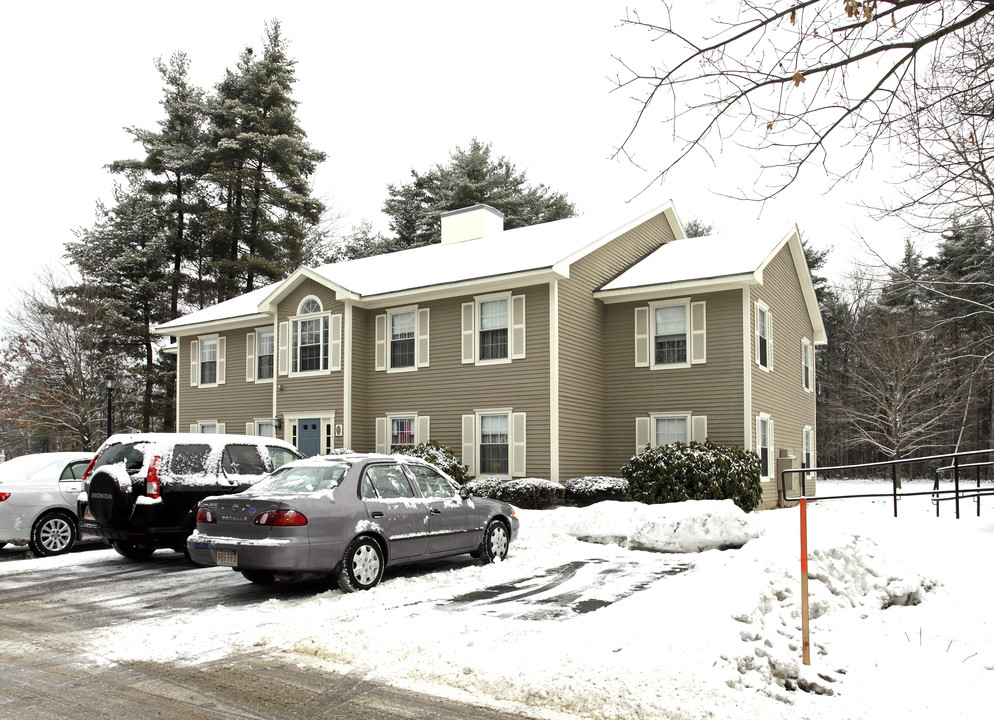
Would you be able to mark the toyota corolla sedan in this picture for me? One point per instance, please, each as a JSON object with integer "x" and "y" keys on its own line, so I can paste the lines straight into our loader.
{"x": 348, "y": 516}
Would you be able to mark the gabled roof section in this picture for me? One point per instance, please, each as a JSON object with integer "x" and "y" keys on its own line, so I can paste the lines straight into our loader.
{"x": 712, "y": 263}
{"x": 243, "y": 308}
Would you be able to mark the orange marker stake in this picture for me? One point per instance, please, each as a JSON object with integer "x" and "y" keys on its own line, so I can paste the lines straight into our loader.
{"x": 805, "y": 642}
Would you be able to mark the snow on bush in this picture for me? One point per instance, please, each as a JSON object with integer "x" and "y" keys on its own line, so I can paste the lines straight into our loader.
{"x": 695, "y": 471}
{"x": 685, "y": 527}
{"x": 531, "y": 493}
{"x": 440, "y": 456}
{"x": 592, "y": 489}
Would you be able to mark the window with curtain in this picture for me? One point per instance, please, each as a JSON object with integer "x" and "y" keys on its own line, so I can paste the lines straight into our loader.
{"x": 670, "y": 335}
{"x": 493, "y": 329}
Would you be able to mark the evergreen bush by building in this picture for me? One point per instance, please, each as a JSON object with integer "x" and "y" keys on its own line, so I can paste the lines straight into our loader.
{"x": 590, "y": 489}
{"x": 695, "y": 471}
{"x": 440, "y": 456}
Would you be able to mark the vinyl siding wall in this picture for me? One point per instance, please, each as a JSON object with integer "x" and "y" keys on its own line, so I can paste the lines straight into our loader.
{"x": 714, "y": 388}
{"x": 780, "y": 393}
{"x": 309, "y": 395}
{"x": 234, "y": 403}
{"x": 583, "y": 325}
{"x": 448, "y": 389}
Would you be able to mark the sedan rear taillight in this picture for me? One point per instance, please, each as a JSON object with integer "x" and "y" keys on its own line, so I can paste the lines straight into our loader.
{"x": 152, "y": 478}
{"x": 4, "y": 496}
{"x": 282, "y": 518}
{"x": 206, "y": 515}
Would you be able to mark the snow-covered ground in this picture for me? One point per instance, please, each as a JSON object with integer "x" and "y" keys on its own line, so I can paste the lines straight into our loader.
{"x": 583, "y": 619}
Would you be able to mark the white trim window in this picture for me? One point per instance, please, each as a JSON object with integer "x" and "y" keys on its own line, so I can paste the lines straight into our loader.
{"x": 493, "y": 329}
{"x": 671, "y": 334}
{"x": 265, "y": 355}
{"x": 494, "y": 443}
{"x": 807, "y": 365}
{"x": 402, "y": 340}
{"x": 263, "y": 427}
{"x": 315, "y": 340}
{"x": 764, "y": 336}
{"x": 207, "y": 361}
{"x": 400, "y": 429}
{"x": 764, "y": 446}
{"x": 658, "y": 429}
{"x": 808, "y": 449}
{"x": 207, "y": 427}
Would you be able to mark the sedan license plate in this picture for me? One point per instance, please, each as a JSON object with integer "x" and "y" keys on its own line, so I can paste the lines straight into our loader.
{"x": 227, "y": 557}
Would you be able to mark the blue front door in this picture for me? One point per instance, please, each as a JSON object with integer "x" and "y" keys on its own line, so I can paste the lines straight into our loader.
{"x": 309, "y": 436}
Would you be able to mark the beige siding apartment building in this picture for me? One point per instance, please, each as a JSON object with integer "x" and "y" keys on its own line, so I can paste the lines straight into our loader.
{"x": 552, "y": 351}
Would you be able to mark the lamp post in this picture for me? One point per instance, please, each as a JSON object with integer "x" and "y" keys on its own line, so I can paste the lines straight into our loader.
{"x": 109, "y": 383}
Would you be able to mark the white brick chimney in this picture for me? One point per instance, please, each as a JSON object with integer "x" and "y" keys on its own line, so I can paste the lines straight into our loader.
{"x": 471, "y": 223}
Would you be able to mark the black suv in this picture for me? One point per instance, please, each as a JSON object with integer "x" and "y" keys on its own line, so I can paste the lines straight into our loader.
{"x": 141, "y": 491}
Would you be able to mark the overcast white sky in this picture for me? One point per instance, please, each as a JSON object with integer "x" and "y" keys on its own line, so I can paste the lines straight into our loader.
{"x": 384, "y": 86}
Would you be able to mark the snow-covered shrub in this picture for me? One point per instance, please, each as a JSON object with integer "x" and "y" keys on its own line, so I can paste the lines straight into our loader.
{"x": 531, "y": 493}
{"x": 695, "y": 471}
{"x": 590, "y": 489}
{"x": 484, "y": 487}
{"x": 440, "y": 456}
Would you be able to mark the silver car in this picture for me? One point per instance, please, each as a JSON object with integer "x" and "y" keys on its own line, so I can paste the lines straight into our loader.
{"x": 38, "y": 500}
{"x": 349, "y": 516}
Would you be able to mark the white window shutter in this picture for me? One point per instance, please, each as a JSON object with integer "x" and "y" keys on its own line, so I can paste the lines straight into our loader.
{"x": 699, "y": 428}
{"x": 422, "y": 333}
{"x": 194, "y": 363}
{"x": 250, "y": 428}
{"x": 381, "y": 342}
{"x": 756, "y": 333}
{"x": 250, "y": 359}
{"x": 422, "y": 429}
{"x": 220, "y": 428}
{"x": 222, "y": 345}
{"x": 194, "y": 427}
{"x": 469, "y": 441}
{"x": 517, "y": 444}
{"x": 468, "y": 334}
{"x": 642, "y": 427}
{"x": 641, "y": 337}
{"x": 284, "y": 348}
{"x": 517, "y": 327}
{"x": 381, "y": 435}
{"x": 698, "y": 337}
{"x": 335, "y": 348}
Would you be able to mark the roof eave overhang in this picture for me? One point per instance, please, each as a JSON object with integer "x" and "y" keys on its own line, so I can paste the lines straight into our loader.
{"x": 232, "y": 323}
{"x": 476, "y": 286}
{"x": 664, "y": 290}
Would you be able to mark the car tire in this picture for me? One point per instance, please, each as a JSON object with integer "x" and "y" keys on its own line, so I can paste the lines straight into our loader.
{"x": 109, "y": 503}
{"x": 259, "y": 577}
{"x": 132, "y": 550}
{"x": 53, "y": 534}
{"x": 496, "y": 540}
{"x": 362, "y": 566}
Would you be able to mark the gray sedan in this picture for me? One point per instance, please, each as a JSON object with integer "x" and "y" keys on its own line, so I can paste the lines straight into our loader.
{"x": 350, "y": 516}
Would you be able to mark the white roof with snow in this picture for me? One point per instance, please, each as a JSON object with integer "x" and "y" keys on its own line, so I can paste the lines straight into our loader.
{"x": 721, "y": 255}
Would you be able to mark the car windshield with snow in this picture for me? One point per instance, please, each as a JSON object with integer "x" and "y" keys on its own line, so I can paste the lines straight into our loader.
{"x": 348, "y": 517}
{"x": 141, "y": 491}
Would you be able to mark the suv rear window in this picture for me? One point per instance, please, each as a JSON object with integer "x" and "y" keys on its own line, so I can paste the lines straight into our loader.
{"x": 131, "y": 455}
{"x": 189, "y": 459}
{"x": 242, "y": 460}
{"x": 280, "y": 456}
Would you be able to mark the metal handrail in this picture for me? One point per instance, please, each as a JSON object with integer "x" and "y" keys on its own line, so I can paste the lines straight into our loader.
{"x": 936, "y": 493}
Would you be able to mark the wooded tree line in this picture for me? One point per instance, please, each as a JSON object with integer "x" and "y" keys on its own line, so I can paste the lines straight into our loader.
{"x": 909, "y": 368}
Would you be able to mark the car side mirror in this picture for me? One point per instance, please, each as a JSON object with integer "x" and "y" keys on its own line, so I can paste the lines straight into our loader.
{"x": 464, "y": 493}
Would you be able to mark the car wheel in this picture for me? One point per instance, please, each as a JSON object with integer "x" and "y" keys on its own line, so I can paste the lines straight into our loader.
{"x": 495, "y": 542}
{"x": 362, "y": 566}
{"x": 53, "y": 534}
{"x": 132, "y": 550}
{"x": 259, "y": 577}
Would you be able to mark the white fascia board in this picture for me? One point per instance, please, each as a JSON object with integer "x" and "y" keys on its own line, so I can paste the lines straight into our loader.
{"x": 221, "y": 325}
{"x": 562, "y": 267}
{"x": 464, "y": 287}
{"x": 707, "y": 285}
{"x": 268, "y": 304}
